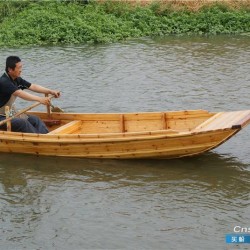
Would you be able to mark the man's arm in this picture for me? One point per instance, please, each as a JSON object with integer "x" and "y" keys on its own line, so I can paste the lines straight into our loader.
{"x": 29, "y": 97}
{"x": 39, "y": 89}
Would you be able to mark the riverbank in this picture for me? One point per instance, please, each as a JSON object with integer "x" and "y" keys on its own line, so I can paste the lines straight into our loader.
{"x": 42, "y": 23}
{"x": 187, "y": 4}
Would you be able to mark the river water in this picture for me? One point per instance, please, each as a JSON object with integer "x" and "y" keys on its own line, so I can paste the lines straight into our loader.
{"x": 55, "y": 203}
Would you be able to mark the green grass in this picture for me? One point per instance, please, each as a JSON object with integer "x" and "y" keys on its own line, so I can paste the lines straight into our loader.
{"x": 50, "y": 22}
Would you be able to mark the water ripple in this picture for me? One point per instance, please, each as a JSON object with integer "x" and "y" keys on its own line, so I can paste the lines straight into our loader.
{"x": 51, "y": 203}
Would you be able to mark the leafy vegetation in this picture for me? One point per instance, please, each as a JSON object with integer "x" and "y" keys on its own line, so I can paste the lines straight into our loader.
{"x": 73, "y": 22}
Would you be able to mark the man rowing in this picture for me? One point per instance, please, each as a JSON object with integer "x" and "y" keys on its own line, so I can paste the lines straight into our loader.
{"x": 11, "y": 87}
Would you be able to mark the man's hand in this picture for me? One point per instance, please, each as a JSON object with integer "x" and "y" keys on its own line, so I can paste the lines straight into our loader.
{"x": 55, "y": 93}
{"x": 44, "y": 100}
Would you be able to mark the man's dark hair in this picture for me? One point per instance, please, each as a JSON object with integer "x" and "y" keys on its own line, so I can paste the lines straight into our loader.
{"x": 11, "y": 62}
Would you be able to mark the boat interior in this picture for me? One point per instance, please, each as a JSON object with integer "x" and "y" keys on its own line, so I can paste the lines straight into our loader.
{"x": 125, "y": 124}
{"x": 140, "y": 124}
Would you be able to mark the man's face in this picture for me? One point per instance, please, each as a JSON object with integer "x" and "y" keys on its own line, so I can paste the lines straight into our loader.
{"x": 16, "y": 72}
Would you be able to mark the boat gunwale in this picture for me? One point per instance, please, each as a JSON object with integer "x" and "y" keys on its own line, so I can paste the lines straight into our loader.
{"x": 98, "y": 138}
{"x": 174, "y": 112}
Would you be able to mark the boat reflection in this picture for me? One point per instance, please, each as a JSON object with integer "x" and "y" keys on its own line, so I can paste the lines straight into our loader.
{"x": 217, "y": 171}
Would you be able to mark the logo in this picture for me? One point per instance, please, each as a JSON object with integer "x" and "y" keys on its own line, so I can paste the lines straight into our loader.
{"x": 240, "y": 235}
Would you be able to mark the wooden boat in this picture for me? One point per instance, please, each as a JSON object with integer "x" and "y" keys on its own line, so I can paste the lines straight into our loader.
{"x": 129, "y": 135}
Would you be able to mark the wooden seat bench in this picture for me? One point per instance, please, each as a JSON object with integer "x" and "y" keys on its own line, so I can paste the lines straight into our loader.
{"x": 68, "y": 128}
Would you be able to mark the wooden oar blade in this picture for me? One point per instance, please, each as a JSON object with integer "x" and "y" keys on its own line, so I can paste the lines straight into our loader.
{"x": 56, "y": 109}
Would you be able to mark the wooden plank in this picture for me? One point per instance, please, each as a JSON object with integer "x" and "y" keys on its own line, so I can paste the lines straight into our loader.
{"x": 166, "y": 146}
{"x": 128, "y": 116}
{"x": 102, "y": 126}
{"x": 68, "y": 128}
{"x": 223, "y": 120}
{"x": 241, "y": 118}
{"x": 79, "y": 138}
{"x": 244, "y": 120}
{"x": 142, "y": 125}
{"x": 164, "y": 121}
{"x": 122, "y": 122}
{"x": 226, "y": 120}
{"x": 207, "y": 122}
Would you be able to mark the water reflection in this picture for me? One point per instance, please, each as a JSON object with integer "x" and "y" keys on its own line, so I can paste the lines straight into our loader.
{"x": 211, "y": 170}
{"x": 41, "y": 194}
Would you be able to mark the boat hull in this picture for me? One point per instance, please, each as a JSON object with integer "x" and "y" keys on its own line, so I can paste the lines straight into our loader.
{"x": 128, "y": 136}
{"x": 154, "y": 146}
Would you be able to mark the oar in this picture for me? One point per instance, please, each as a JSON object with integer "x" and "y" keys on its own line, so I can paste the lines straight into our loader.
{"x": 20, "y": 112}
{"x": 52, "y": 108}
{"x": 55, "y": 108}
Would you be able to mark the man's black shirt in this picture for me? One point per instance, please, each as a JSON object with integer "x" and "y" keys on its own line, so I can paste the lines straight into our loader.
{"x": 8, "y": 86}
